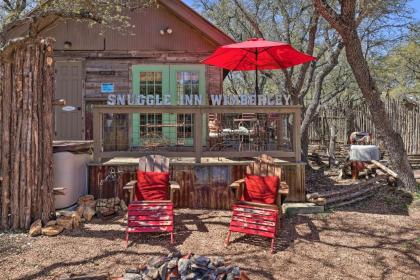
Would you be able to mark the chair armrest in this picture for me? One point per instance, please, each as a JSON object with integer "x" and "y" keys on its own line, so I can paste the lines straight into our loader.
{"x": 283, "y": 192}
{"x": 130, "y": 187}
{"x": 237, "y": 188}
{"x": 173, "y": 187}
{"x": 237, "y": 183}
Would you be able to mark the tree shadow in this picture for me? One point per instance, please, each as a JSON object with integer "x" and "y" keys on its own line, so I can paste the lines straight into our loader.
{"x": 387, "y": 200}
{"x": 185, "y": 225}
{"x": 288, "y": 230}
{"x": 46, "y": 270}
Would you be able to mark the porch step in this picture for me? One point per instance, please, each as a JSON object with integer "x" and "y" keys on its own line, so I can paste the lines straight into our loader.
{"x": 302, "y": 208}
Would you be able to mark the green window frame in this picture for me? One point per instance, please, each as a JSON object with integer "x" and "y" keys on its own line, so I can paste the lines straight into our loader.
{"x": 137, "y": 70}
{"x": 169, "y": 86}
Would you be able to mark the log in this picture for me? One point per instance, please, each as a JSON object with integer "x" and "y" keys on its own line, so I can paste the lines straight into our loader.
{"x": 15, "y": 135}
{"x": 26, "y": 94}
{"x": 5, "y": 160}
{"x": 384, "y": 168}
{"x": 47, "y": 131}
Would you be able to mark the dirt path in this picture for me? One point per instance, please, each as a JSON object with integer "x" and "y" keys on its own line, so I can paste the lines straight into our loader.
{"x": 351, "y": 243}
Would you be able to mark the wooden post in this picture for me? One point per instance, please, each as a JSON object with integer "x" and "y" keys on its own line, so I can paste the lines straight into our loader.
{"x": 97, "y": 134}
{"x": 296, "y": 135}
{"x": 198, "y": 135}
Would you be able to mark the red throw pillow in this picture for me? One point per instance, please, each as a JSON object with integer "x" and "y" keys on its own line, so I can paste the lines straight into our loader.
{"x": 261, "y": 189}
{"x": 152, "y": 185}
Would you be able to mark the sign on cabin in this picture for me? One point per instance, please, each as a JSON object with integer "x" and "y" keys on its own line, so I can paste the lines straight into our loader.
{"x": 107, "y": 88}
{"x": 197, "y": 100}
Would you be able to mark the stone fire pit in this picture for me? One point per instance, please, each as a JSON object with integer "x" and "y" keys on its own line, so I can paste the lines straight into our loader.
{"x": 175, "y": 266}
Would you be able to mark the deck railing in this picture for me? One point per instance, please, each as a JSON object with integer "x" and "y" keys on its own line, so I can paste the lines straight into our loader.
{"x": 199, "y": 143}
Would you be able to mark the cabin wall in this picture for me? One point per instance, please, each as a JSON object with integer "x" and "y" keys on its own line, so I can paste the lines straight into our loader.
{"x": 118, "y": 71}
{"x": 107, "y": 55}
{"x": 144, "y": 36}
{"x": 202, "y": 186}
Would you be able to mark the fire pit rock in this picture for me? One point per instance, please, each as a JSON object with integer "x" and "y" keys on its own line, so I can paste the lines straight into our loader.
{"x": 191, "y": 266}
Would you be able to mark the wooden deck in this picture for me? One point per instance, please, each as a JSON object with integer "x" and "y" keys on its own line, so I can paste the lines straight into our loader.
{"x": 203, "y": 185}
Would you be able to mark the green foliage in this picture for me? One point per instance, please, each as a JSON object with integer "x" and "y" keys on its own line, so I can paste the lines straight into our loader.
{"x": 108, "y": 13}
{"x": 382, "y": 26}
{"x": 399, "y": 71}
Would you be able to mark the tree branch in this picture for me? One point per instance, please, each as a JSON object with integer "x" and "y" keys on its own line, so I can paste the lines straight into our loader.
{"x": 328, "y": 13}
{"x": 249, "y": 18}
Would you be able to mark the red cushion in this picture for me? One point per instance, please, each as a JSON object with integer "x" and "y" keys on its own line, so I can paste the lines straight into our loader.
{"x": 261, "y": 189}
{"x": 152, "y": 185}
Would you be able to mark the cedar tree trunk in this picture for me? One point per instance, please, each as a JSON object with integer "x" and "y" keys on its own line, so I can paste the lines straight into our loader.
{"x": 346, "y": 24}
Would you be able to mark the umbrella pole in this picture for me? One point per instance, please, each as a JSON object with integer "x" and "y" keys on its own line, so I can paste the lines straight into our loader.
{"x": 256, "y": 81}
{"x": 257, "y": 90}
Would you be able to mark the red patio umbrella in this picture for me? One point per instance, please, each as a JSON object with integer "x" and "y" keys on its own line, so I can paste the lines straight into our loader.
{"x": 257, "y": 54}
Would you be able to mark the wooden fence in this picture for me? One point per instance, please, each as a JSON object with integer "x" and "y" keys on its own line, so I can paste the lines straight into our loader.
{"x": 347, "y": 118}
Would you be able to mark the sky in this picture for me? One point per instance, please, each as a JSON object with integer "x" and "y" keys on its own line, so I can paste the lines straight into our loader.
{"x": 415, "y": 4}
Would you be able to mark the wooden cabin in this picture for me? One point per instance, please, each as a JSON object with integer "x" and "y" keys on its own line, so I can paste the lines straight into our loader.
{"x": 90, "y": 65}
{"x": 103, "y": 79}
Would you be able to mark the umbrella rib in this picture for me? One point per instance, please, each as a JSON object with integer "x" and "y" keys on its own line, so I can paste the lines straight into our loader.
{"x": 263, "y": 50}
{"x": 276, "y": 60}
{"x": 240, "y": 61}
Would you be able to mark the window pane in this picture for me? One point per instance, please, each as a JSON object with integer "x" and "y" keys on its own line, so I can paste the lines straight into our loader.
{"x": 143, "y": 77}
{"x": 195, "y": 89}
{"x": 158, "y": 77}
{"x": 149, "y": 76}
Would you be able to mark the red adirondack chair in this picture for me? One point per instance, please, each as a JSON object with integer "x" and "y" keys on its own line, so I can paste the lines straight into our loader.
{"x": 258, "y": 218}
{"x": 148, "y": 211}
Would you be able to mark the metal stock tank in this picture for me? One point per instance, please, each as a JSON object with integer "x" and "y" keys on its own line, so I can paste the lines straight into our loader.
{"x": 70, "y": 160}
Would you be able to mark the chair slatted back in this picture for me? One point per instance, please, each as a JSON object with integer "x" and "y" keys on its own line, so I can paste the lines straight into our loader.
{"x": 154, "y": 163}
{"x": 264, "y": 166}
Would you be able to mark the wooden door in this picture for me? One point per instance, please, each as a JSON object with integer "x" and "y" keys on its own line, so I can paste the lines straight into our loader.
{"x": 68, "y": 86}
{"x": 187, "y": 80}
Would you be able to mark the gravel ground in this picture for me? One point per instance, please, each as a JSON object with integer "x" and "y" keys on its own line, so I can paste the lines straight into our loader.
{"x": 350, "y": 243}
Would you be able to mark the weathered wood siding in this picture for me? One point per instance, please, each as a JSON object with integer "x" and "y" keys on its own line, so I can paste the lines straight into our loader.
{"x": 201, "y": 186}
{"x": 118, "y": 71}
{"x": 144, "y": 36}
{"x": 214, "y": 79}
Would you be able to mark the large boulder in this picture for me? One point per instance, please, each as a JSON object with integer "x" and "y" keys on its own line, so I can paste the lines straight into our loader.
{"x": 52, "y": 230}
{"x": 36, "y": 228}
